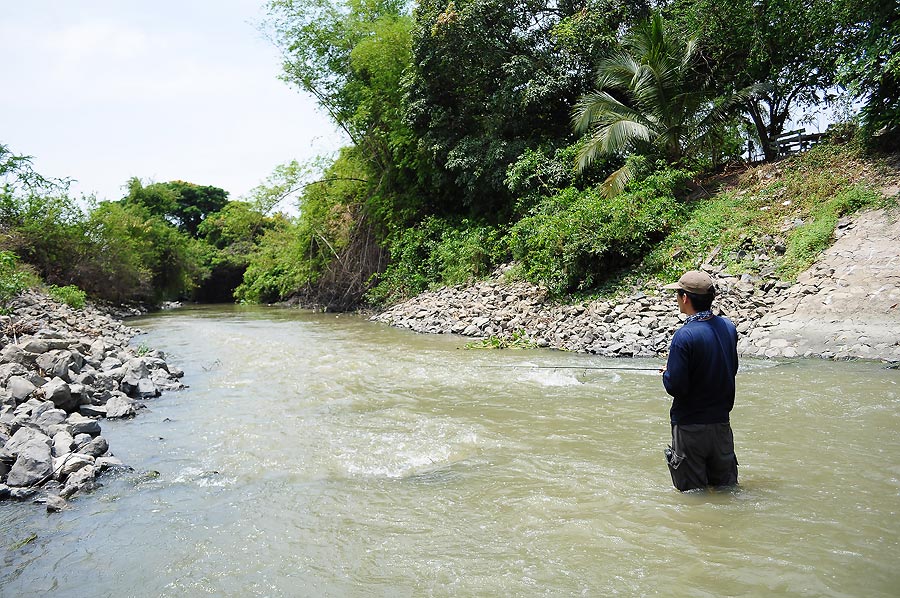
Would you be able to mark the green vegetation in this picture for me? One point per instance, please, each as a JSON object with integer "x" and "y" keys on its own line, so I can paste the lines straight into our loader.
{"x": 583, "y": 145}
{"x": 69, "y": 294}
{"x": 793, "y": 204}
{"x": 14, "y": 278}
{"x": 518, "y": 340}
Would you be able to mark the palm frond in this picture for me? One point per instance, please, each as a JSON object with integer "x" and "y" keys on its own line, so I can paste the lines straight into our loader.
{"x": 615, "y": 183}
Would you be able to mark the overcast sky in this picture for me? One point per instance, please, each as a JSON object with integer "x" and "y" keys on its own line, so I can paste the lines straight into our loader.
{"x": 101, "y": 91}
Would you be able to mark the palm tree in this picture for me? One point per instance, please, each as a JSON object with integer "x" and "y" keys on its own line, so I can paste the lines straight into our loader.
{"x": 666, "y": 106}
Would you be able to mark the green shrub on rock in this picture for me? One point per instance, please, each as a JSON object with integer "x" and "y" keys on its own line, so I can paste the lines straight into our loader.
{"x": 70, "y": 294}
{"x": 14, "y": 278}
{"x": 437, "y": 252}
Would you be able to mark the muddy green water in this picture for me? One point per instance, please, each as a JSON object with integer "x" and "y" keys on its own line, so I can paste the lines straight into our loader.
{"x": 316, "y": 455}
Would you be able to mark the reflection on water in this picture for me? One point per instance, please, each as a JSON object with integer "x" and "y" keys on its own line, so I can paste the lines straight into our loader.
{"x": 316, "y": 454}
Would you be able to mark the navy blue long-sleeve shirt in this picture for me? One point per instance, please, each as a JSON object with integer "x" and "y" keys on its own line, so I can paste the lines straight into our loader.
{"x": 700, "y": 372}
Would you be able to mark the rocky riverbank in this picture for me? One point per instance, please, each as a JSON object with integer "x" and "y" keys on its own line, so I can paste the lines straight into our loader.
{"x": 62, "y": 370}
{"x": 844, "y": 307}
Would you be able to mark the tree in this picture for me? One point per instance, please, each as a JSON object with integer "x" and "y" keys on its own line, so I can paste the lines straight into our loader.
{"x": 352, "y": 56}
{"x": 135, "y": 254}
{"x": 183, "y": 204}
{"x": 870, "y": 64}
{"x": 492, "y": 78}
{"x": 786, "y": 50}
{"x": 651, "y": 99}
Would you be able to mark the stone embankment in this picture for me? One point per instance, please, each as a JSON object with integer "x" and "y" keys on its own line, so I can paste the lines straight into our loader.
{"x": 844, "y": 307}
{"x": 61, "y": 371}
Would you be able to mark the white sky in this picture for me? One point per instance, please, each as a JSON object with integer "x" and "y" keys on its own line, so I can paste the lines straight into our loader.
{"x": 101, "y": 91}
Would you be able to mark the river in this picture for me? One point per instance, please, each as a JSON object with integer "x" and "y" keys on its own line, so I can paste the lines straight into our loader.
{"x": 325, "y": 455}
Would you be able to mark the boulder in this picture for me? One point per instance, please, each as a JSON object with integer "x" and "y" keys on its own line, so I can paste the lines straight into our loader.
{"x": 104, "y": 463}
{"x": 55, "y": 503}
{"x": 92, "y": 410}
{"x": 33, "y": 465}
{"x": 79, "y": 424}
{"x": 146, "y": 389}
{"x": 62, "y": 443}
{"x": 98, "y": 350}
{"x": 22, "y": 438}
{"x": 60, "y": 363}
{"x": 68, "y": 464}
{"x": 96, "y": 447}
{"x": 58, "y": 391}
{"x": 138, "y": 367}
{"x": 36, "y": 345}
{"x": 12, "y": 354}
{"x": 118, "y": 406}
{"x": 7, "y": 370}
{"x": 48, "y": 419}
{"x": 83, "y": 479}
{"x": 20, "y": 388}
{"x": 109, "y": 364}
{"x": 81, "y": 440}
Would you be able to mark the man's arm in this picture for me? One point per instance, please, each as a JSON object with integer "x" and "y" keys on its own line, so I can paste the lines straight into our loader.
{"x": 676, "y": 377}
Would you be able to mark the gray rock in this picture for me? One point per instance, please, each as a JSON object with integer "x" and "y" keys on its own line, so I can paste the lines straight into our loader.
{"x": 83, "y": 479}
{"x": 57, "y": 390}
{"x": 62, "y": 443}
{"x": 79, "y": 424}
{"x": 146, "y": 389}
{"x": 12, "y": 354}
{"x": 118, "y": 406}
{"x": 104, "y": 463}
{"x": 49, "y": 418}
{"x": 23, "y": 437}
{"x": 36, "y": 345}
{"x": 60, "y": 363}
{"x": 68, "y": 464}
{"x": 7, "y": 370}
{"x": 33, "y": 465}
{"x": 138, "y": 367}
{"x": 92, "y": 410}
{"x": 81, "y": 440}
{"x": 55, "y": 503}
{"x": 109, "y": 364}
{"x": 20, "y": 388}
{"x": 96, "y": 447}
{"x": 86, "y": 378}
{"x": 21, "y": 493}
{"x": 49, "y": 333}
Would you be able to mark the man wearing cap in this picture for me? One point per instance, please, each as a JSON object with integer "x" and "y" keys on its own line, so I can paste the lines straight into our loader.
{"x": 700, "y": 375}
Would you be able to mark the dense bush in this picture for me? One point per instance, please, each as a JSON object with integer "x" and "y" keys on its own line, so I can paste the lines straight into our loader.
{"x": 574, "y": 239}
{"x": 135, "y": 255}
{"x": 69, "y": 294}
{"x": 277, "y": 268}
{"x": 437, "y": 252}
{"x": 14, "y": 278}
{"x": 46, "y": 231}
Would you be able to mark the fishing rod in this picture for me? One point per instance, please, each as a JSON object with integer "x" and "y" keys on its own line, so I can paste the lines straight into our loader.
{"x": 576, "y": 367}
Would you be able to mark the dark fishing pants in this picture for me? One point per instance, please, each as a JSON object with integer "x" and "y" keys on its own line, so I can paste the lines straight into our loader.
{"x": 702, "y": 455}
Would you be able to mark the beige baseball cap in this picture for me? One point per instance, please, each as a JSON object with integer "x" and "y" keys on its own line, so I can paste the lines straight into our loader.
{"x": 694, "y": 281}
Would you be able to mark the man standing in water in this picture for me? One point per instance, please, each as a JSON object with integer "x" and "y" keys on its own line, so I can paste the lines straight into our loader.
{"x": 700, "y": 375}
